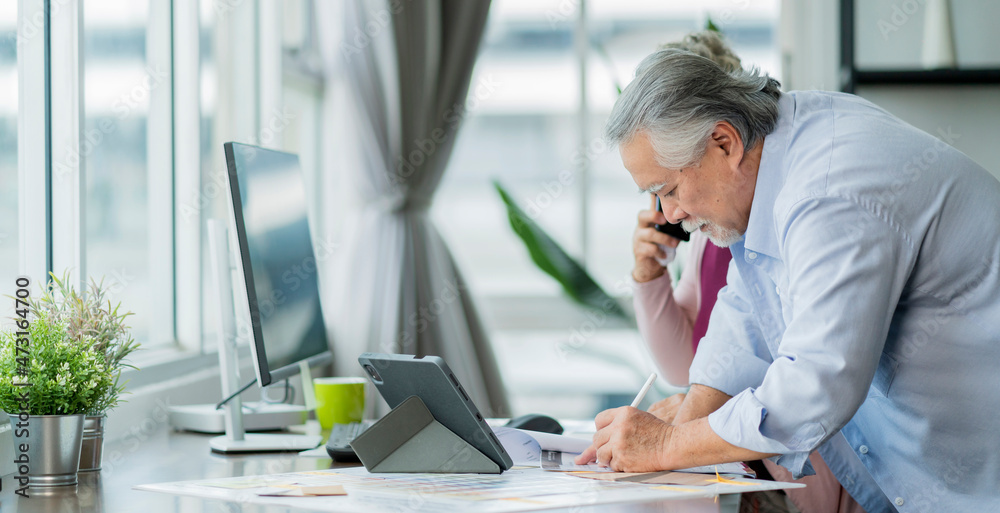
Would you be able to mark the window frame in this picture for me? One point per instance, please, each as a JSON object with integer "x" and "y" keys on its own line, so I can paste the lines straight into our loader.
{"x": 160, "y": 163}
{"x": 52, "y": 187}
{"x": 159, "y": 171}
{"x": 33, "y": 145}
{"x": 52, "y": 159}
{"x": 186, "y": 177}
{"x": 67, "y": 179}
{"x": 51, "y": 214}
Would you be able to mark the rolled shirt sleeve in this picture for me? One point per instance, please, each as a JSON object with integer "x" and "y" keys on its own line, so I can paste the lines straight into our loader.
{"x": 846, "y": 264}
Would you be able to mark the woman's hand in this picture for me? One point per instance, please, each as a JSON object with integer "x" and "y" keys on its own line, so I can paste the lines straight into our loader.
{"x": 645, "y": 242}
{"x": 666, "y": 409}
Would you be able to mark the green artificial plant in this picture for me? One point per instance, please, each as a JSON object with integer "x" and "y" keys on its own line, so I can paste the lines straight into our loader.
{"x": 77, "y": 355}
{"x": 57, "y": 375}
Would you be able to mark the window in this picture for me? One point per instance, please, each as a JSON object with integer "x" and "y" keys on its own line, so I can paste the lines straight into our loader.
{"x": 257, "y": 86}
{"x": 161, "y": 86}
{"x": 626, "y": 35}
{"x": 8, "y": 157}
{"x": 519, "y": 121}
{"x": 158, "y": 106}
{"x": 299, "y": 117}
{"x": 213, "y": 161}
{"x": 123, "y": 241}
{"x": 522, "y": 125}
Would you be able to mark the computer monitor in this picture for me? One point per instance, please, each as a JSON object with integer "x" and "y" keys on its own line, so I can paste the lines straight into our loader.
{"x": 277, "y": 261}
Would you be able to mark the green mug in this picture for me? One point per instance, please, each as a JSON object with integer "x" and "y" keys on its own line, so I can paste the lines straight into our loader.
{"x": 339, "y": 400}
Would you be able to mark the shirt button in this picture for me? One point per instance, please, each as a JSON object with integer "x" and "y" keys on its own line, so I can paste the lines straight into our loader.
{"x": 863, "y": 449}
{"x": 899, "y": 501}
{"x": 777, "y": 291}
{"x": 752, "y": 256}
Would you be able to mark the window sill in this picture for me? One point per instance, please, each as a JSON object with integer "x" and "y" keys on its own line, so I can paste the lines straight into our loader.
{"x": 170, "y": 378}
{"x": 160, "y": 365}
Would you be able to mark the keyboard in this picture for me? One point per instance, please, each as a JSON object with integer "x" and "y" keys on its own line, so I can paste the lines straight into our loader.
{"x": 339, "y": 444}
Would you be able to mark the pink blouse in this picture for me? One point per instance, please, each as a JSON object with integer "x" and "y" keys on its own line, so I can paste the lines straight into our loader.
{"x": 666, "y": 314}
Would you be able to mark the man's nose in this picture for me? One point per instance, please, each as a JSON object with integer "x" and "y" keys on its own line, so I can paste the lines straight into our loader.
{"x": 673, "y": 212}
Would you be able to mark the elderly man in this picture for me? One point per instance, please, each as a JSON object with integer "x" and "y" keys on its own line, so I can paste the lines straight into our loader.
{"x": 862, "y": 312}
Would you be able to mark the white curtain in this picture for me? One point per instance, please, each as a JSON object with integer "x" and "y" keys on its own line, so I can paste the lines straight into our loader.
{"x": 406, "y": 66}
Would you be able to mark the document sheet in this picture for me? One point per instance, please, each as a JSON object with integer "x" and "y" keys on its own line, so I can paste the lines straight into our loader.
{"x": 518, "y": 489}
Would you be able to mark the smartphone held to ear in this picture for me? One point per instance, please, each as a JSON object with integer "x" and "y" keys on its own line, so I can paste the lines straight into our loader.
{"x": 673, "y": 230}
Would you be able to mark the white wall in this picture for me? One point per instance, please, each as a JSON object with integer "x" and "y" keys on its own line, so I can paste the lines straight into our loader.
{"x": 889, "y": 33}
{"x": 969, "y": 114}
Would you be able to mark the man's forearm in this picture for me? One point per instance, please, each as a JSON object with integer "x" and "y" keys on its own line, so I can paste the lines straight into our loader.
{"x": 632, "y": 440}
{"x": 694, "y": 444}
{"x": 699, "y": 402}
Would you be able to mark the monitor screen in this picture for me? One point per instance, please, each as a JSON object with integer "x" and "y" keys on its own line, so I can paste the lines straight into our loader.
{"x": 277, "y": 260}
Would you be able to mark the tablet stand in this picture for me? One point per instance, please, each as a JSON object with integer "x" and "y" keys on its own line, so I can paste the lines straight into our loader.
{"x": 408, "y": 439}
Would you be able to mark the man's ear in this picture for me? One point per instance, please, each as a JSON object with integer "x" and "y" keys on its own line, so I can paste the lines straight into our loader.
{"x": 727, "y": 139}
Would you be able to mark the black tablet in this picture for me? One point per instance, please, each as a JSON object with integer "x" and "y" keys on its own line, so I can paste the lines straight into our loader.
{"x": 399, "y": 376}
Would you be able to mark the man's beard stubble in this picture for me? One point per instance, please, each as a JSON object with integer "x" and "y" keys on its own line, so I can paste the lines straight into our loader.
{"x": 722, "y": 237}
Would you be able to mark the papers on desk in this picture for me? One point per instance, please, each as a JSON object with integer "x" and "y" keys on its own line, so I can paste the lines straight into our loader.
{"x": 302, "y": 491}
{"x": 557, "y": 452}
{"x": 563, "y": 462}
{"x": 525, "y": 447}
{"x": 518, "y": 489}
{"x": 514, "y": 490}
{"x": 668, "y": 477}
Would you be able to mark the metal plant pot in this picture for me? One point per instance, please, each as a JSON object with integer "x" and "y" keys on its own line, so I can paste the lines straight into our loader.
{"x": 93, "y": 443}
{"x": 53, "y": 450}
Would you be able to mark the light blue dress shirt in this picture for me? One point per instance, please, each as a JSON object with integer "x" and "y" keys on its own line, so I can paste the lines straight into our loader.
{"x": 862, "y": 312}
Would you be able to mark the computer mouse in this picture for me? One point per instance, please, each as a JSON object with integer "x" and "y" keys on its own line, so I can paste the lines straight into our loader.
{"x": 536, "y": 422}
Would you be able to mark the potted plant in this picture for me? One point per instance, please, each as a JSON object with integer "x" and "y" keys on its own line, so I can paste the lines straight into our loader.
{"x": 92, "y": 322}
{"x": 47, "y": 387}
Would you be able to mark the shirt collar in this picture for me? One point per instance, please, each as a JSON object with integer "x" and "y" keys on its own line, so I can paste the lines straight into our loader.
{"x": 760, "y": 236}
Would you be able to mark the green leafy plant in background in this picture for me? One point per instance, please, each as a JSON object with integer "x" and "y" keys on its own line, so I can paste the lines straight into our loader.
{"x": 574, "y": 279}
{"x": 710, "y": 25}
{"x": 63, "y": 377}
{"x": 557, "y": 263}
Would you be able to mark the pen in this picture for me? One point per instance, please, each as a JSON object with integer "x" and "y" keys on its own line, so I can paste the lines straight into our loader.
{"x": 645, "y": 388}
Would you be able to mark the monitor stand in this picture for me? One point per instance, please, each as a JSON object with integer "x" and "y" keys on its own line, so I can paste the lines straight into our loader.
{"x": 236, "y": 440}
{"x": 261, "y": 416}
{"x": 257, "y": 442}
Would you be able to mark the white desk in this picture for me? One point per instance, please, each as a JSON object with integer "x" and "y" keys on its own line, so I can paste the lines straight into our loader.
{"x": 170, "y": 456}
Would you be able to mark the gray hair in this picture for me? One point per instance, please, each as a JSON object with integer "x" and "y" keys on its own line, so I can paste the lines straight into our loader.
{"x": 677, "y": 97}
